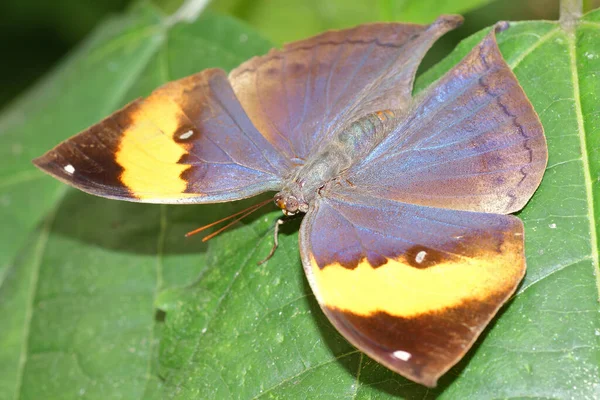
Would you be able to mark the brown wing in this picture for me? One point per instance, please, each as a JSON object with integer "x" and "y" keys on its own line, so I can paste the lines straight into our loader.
{"x": 190, "y": 141}
{"x": 472, "y": 142}
{"x": 410, "y": 286}
{"x": 299, "y": 95}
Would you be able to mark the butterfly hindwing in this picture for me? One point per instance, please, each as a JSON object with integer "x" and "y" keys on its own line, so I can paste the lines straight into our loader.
{"x": 188, "y": 142}
{"x": 300, "y": 95}
{"x": 472, "y": 142}
{"x": 410, "y": 286}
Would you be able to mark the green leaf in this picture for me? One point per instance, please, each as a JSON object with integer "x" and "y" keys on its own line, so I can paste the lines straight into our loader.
{"x": 285, "y": 21}
{"x": 81, "y": 277}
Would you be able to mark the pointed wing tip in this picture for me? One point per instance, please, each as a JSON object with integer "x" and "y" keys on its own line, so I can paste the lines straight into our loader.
{"x": 453, "y": 21}
{"x": 501, "y": 26}
{"x": 490, "y": 40}
{"x": 47, "y": 164}
{"x": 43, "y": 163}
{"x": 442, "y": 25}
{"x": 450, "y": 21}
{"x": 428, "y": 381}
{"x": 37, "y": 161}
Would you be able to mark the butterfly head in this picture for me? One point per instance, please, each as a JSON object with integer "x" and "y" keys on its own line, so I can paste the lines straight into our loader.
{"x": 290, "y": 204}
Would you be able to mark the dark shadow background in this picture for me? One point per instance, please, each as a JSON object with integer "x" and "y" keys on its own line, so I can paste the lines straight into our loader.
{"x": 36, "y": 34}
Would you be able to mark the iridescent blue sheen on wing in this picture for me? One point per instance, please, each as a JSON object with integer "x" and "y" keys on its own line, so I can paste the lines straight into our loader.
{"x": 353, "y": 226}
{"x": 301, "y": 95}
{"x": 472, "y": 141}
{"x": 230, "y": 157}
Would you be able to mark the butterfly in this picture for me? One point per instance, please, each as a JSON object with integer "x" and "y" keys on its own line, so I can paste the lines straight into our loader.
{"x": 406, "y": 241}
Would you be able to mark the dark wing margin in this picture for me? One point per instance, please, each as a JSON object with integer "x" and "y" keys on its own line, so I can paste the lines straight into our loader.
{"x": 300, "y": 95}
{"x": 410, "y": 286}
{"x": 471, "y": 142}
{"x": 190, "y": 141}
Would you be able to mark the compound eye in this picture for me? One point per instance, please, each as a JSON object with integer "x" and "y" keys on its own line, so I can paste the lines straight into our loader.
{"x": 280, "y": 202}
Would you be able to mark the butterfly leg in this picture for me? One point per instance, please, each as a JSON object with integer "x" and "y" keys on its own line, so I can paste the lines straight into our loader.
{"x": 280, "y": 221}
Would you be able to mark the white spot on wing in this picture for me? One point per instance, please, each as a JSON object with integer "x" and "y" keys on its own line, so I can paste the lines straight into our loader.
{"x": 69, "y": 169}
{"x": 420, "y": 256}
{"x": 186, "y": 135}
{"x": 402, "y": 355}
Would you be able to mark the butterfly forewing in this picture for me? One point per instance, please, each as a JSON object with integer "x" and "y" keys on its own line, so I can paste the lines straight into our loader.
{"x": 188, "y": 142}
{"x": 302, "y": 94}
{"x": 411, "y": 286}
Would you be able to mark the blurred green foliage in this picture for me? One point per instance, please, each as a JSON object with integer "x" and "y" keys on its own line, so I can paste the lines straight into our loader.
{"x": 37, "y": 34}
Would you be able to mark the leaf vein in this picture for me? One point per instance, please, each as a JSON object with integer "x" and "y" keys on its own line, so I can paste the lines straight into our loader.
{"x": 543, "y": 39}
{"x": 37, "y": 261}
{"x": 357, "y": 382}
{"x": 283, "y": 382}
{"x": 563, "y": 162}
{"x": 552, "y": 272}
{"x": 585, "y": 157}
{"x": 224, "y": 296}
{"x": 22, "y": 177}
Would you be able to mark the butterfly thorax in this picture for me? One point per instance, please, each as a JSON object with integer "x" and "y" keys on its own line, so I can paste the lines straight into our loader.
{"x": 331, "y": 159}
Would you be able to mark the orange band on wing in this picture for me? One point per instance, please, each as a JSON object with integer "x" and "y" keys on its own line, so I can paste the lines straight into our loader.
{"x": 399, "y": 289}
{"x": 148, "y": 152}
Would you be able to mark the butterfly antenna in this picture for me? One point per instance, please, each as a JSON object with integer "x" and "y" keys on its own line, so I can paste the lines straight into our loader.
{"x": 215, "y": 233}
{"x": 244, "y": 213}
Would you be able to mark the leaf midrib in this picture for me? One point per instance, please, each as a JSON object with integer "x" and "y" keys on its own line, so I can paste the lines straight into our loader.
{"x": 584, "y": 155}
{"x": 37, "y": 262}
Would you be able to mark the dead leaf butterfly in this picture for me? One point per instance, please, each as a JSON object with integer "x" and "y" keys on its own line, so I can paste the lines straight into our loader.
{"x": 407, "y": 242}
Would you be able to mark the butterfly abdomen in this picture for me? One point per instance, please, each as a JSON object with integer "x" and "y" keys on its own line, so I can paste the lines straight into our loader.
{"x": 326, "y": 164}
{"x": 350, "y": 144}
{"x": 363, "y": 134}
